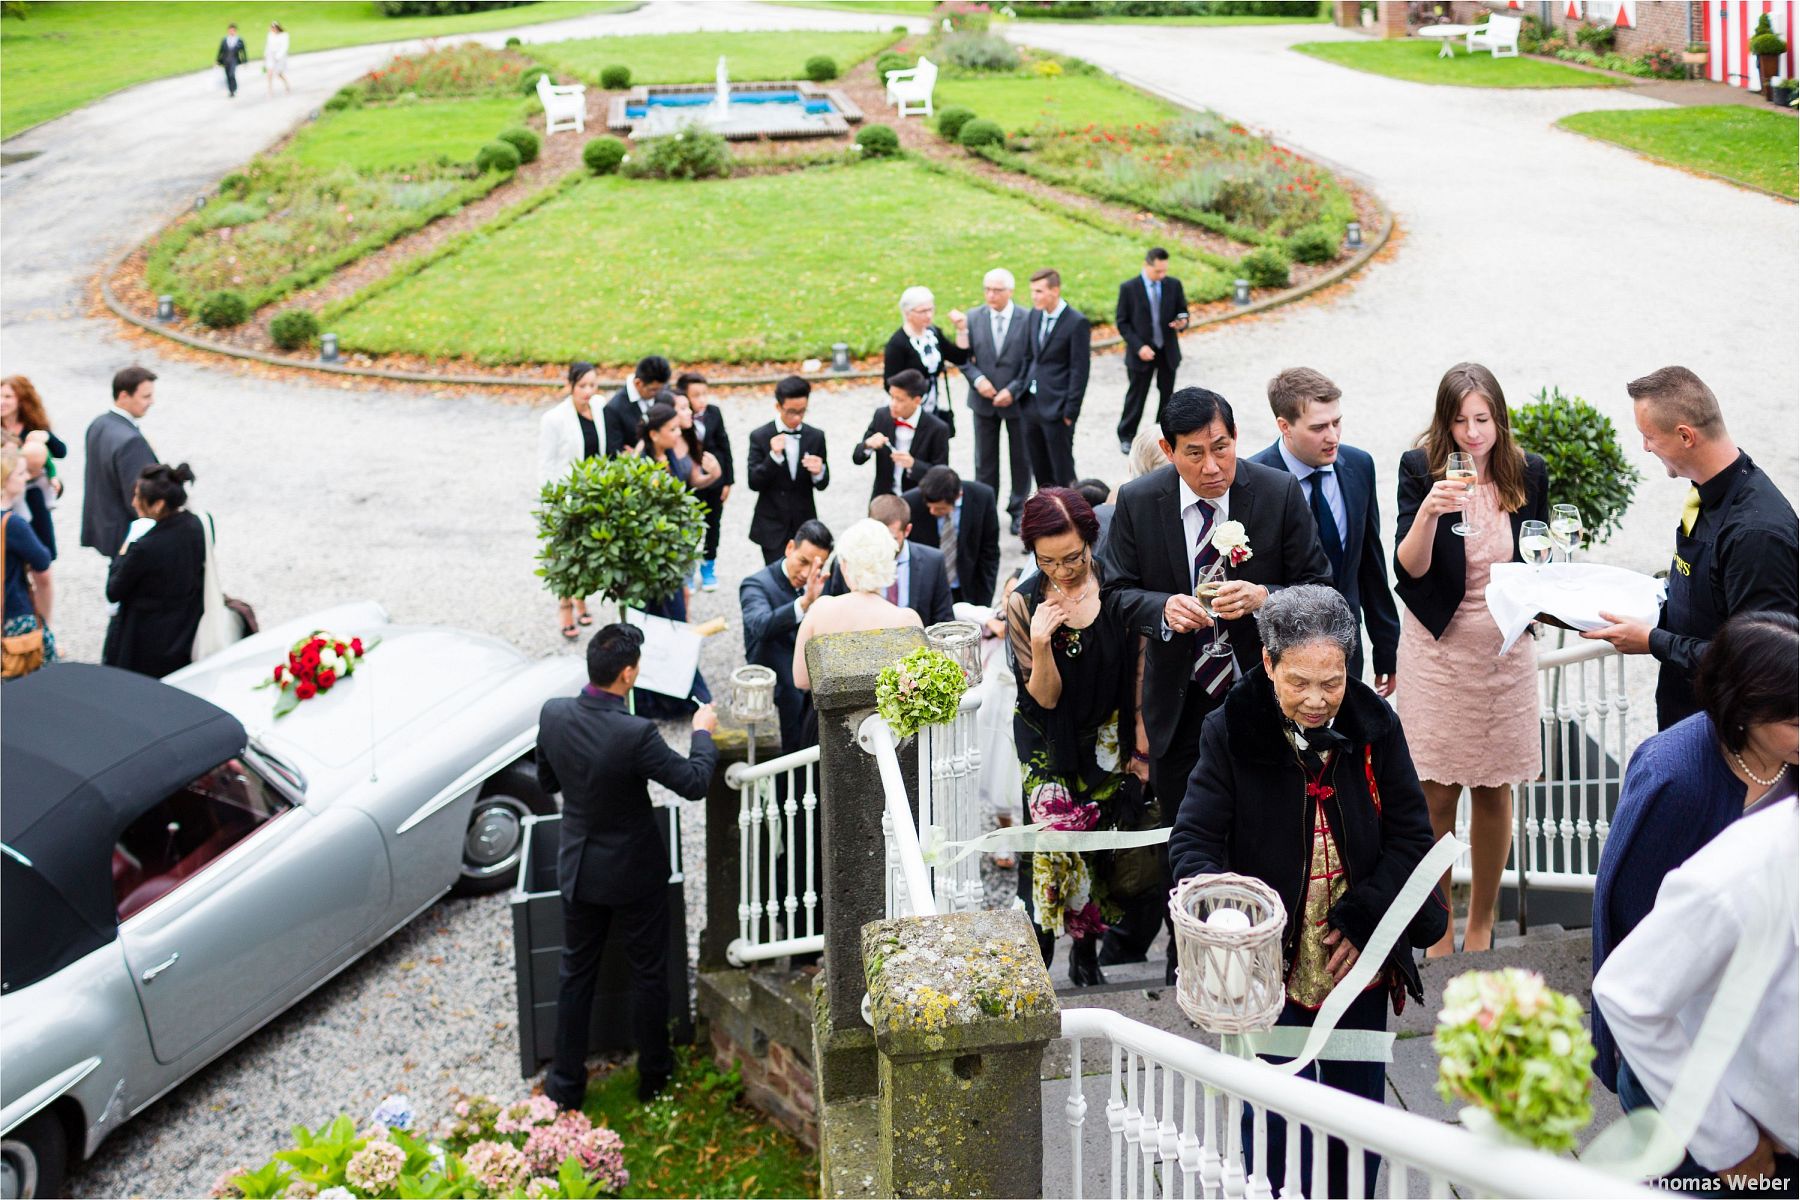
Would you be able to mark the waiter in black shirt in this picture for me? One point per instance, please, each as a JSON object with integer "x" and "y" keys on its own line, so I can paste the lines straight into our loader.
{"x": 1737, "y": 548}
{"x": 611, "y": 864}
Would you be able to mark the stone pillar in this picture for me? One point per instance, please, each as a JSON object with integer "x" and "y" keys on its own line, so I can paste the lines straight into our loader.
{"x": 722, "y": 848}
{"x": 963, "y": 1009}
{"x": 1391, "y": 18}
{"x": 844, "y": 668}
{"x": 1346, "y": 14}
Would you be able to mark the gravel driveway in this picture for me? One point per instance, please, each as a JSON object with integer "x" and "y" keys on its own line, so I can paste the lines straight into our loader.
{"x": 1551, "y": 258}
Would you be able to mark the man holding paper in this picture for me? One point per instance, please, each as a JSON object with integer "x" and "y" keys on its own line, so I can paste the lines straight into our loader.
{"x": 1737, "y": 547}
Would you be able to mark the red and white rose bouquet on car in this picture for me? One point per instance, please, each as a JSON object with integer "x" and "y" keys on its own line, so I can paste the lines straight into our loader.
{"x": 315, "y": 664}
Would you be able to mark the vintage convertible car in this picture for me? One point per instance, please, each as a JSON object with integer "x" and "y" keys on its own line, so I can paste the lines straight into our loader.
{"x": 177, "y": 866}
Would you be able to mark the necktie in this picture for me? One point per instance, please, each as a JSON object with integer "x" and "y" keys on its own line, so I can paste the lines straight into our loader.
{"x": 1690, "y": 511}
{"x": 1156, "y": 325}
{"x": 1044, "y": 329}
{"x": 1000, "y": 323}
{"x": 893, "y": 592}
{"x": 1212, "y": 673}
{"x": 947, "y": 543}
{"x": 1329, "y": 537}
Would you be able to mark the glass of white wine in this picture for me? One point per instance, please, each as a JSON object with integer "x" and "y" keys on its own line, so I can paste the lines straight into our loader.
{"x": 1535, "y": 546}
{"x": 1211, "y": 580}
{"x": 1460, "y": 468}
{"x": 1566, "y": 530}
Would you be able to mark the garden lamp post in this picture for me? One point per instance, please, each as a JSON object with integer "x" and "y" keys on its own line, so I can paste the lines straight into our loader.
{"x": 328, "y": 348}
{"x": 840, "y": 356}
{"x": 1240, "y": 291}
{"x": 165, "y": 308}
{"x": 1353, "y": 234}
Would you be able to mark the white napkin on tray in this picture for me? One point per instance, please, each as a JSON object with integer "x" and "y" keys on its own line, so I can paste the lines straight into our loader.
{"x": 1573, "y": 593}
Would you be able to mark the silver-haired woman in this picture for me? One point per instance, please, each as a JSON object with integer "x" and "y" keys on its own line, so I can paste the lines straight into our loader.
{"x": 1304, "y": 782}
{"x": 920, "y": 346}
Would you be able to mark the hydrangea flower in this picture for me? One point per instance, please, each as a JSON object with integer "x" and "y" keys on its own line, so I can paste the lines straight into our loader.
{"x": 301, "y": 1189}
{"x": 394, "y": 1112}
{"x": 497, "y": 1166}
{"x": 1516, "y": 1050}
{"x": 1052, "y": 805}
{"x": 541, "y": 1186}
{"x": 475, "y": 1116}
{"x": 526, "y": 1115}
{"x": 376, "y": 1167}
{"x": 223, "y": 1188}
{"x": 337, "y": 1193}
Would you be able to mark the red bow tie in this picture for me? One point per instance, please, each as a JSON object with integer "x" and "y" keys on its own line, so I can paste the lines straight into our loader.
{"x": 903, "y": 424}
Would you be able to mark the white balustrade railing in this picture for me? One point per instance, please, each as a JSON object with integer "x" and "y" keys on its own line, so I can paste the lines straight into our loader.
{"x": 1562, "y": 818}
{"x": 948, "y": 802}
{"x": 778, "y": 880}
{"x": 1174, "y": 1111}
{"x": 909, "y": 890}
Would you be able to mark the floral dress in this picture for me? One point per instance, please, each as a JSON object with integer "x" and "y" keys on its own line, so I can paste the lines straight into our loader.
{"x": 1071, "y": 761}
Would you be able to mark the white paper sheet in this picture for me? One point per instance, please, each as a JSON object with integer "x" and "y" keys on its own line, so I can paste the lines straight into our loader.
{"x": 671, "y": 654}
{"x": 1573, "y": 593}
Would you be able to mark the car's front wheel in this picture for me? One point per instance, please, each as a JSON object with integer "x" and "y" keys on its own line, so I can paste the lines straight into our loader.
{"x": 495, "y": 837}
{"x": 33, "y": 1158}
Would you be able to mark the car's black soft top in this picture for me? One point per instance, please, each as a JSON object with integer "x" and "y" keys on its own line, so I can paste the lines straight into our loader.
{"x": 84, "y": 751}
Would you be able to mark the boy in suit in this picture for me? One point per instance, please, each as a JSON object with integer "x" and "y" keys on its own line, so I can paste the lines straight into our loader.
{"x": 905, "y": 440}
{"x": 1056, "y": 381}
{"x": 786, "y": 465}
{"x": 116, "y": 452}
{"x": 611, "y": 864}
{"x": 1151, "y": 313}
{"x": 1339, "y": 482}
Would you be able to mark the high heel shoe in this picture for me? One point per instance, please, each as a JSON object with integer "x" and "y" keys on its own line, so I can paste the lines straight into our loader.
{"x": 1046, "y": 945}
{"x": 1084, "y": 962}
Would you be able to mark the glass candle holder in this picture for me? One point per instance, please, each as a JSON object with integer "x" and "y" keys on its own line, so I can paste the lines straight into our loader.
{"x": 753, "y": 693}
{"x": 961, "y": 640}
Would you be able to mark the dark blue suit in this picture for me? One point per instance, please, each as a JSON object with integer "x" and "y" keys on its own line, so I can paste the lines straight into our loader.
{"x": 770, "y": 623}
{"x": 1363, "y": 578}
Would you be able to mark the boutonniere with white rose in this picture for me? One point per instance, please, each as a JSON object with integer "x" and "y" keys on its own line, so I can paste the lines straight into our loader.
{"x": 1232, "y": 543}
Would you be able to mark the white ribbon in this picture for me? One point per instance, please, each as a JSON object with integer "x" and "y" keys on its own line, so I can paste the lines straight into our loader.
{"x": 936, "y": 848}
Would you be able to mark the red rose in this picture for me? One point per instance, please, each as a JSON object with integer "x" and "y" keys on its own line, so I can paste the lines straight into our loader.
{"x": 356, "y": 646}
{"x": 306, "y": 691}
{"x": 279, "y": 669}
{"x": 326, "y": 679}
{"x": 339, "y": 648}
{"x": 309, "y": 658}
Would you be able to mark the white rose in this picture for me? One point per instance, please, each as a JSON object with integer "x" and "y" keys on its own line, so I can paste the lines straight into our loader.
{"x": 1230, "y": 537}
{"x": 1106, "y": 745}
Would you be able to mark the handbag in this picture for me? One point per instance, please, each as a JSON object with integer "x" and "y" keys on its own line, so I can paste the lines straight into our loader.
{"x": 1139, "y": 868}
{"x": 21, "y": 653}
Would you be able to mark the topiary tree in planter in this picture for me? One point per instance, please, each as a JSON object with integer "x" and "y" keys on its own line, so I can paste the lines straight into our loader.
{"x": 1580, "y": 447}
{"x": 623, "y": 528}
{"x": 1768, "y": 46}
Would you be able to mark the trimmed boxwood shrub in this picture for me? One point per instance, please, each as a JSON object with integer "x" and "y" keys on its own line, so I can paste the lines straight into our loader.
{"x": 523, "y": 140}
{"x": 497, "y": 156}
{"x": 951, "y": 120}
{"x": 514, "y": 41}
{"x": 693, "y": 153}
{"x": 223, "y": 309}
{"x": 1314, "y": 244}
{"x": 878, "y": 141}
{"x": 294, "y": 328}
{"x": 821, "y": 67}
{"x": 603, "y": 155}
{"x": 529, "y": 80}
{"x": 615, "y": 78}
{"x": 1266, "y": 266}
{"x": 981, "y": 132}
{"x": 891, "y": 61}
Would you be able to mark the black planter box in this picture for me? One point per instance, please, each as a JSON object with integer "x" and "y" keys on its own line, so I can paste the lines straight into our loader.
{"x": 537, "y": 955}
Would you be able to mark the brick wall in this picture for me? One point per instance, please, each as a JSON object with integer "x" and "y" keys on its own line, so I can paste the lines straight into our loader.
{"x": 1666, "y": 23}
{"x": 778, "y": 1084}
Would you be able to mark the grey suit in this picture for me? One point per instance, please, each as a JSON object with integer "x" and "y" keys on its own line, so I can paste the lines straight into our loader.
{"x": 1005, "y": 367}
{"x": 116, "y": 453}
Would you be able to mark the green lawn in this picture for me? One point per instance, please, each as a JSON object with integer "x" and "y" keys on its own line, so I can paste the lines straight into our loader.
{"x": 824, "y": 254}
{"x": 694, "y": 57}
{"x": 1064, "y": 101}
{"x": 1739, "y": 142}
{"x": 899, "y": 8}
{"x": 700, "y": 1139}
{"x": 1416, "y": 60}
{"x": 60, "y": 56}
{"x": 380, "y": 137}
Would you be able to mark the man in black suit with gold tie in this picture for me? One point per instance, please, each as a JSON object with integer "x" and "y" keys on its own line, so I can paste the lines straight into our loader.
{"x": 611, "y": 865}
{"x": 1160, "y": 542}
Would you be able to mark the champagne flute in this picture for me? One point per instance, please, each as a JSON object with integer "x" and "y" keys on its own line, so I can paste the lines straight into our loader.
{"x": 1460, "y": 468}
{"x": 1205, "y": 590}
{"x": 1535, "y": 546}
{"x": 1566, "y": 529}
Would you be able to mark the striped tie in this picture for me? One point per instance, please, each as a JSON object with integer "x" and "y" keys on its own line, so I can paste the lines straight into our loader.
{"x": 1211, "y": 672}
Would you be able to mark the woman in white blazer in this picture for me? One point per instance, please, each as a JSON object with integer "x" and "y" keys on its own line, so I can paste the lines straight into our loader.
{"x": 566, "y": 435}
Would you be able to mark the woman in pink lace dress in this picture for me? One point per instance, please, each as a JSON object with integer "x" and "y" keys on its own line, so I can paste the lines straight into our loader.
{"x": 1470, "y": 712}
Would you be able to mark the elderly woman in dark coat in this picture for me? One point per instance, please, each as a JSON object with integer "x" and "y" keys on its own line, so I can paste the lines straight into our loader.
{"x": 1304, "y": 782}
{"x": 920, "y": 346}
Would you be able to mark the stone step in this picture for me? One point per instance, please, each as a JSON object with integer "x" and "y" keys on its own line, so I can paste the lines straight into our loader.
{"x": 1564, "y": 958}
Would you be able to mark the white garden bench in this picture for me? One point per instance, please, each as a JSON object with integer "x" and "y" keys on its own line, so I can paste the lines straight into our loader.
{"x": 911, "y": 89}
{"x": 1500, "y": 37}
{"x": 565, "y": 105}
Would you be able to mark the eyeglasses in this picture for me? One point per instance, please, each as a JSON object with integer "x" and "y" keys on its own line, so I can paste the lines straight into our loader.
{"x": 1066, "y": 563}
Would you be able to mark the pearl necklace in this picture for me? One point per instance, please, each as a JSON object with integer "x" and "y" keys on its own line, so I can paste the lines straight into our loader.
{"x": 1078, "y": 597}
{"x": 1754, "y": 777}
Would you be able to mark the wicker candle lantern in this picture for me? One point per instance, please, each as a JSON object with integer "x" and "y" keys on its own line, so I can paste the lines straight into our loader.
{"x": 753, "y": 694}
{"x": 961, "y": 640}
{"x": 1228, "y": 942}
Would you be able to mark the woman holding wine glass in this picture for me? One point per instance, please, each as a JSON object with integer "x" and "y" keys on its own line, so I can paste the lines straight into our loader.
{"x": 1470, "y": 713}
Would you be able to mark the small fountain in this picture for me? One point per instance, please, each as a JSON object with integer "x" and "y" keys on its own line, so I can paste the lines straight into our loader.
{"x": 752, "y": 110}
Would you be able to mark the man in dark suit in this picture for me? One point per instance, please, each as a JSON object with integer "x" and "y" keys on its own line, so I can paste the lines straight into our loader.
{"x": 709, "y": 426}
{"x": 116, "y": 452}
{"x": 999, "y": 354}
{"x": 1161, "y": 540}
{"x": 624, "y": 414}
{"x": 774, "y": 602}
{"x": 1056, "y": 381}
{"x": 960, "y": 520}
{"x": 905, "y": 441}
{"x": 1151, "y": 313}
{"x": 921, "y": 582}
{"x": 232, "y": 55}
{"x": 611, "y": 863}
{"x": 1339, "y": 482}
{"x": 786, "y": 465}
